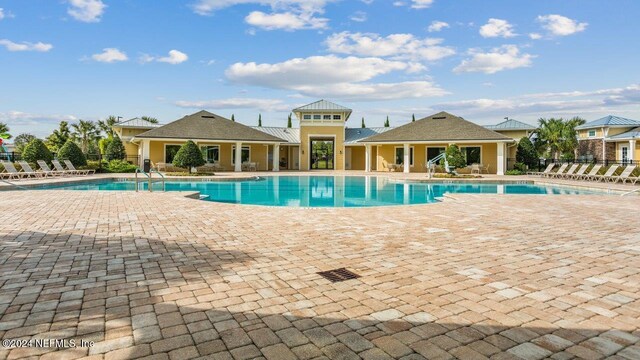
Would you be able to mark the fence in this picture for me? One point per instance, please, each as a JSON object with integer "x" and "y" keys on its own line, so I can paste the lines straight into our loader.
{"x": 542, "y": 163}
{"x": 16, "y": 156}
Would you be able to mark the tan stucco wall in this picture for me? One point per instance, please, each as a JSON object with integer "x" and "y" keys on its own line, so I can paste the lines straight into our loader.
{"x": 308, "y": 131}
{"x": 584, "y": 134}
{"x": 358, "y": 155}
{"x": 636, "y": 154}
{"x": 130, "y": 148}
{"x": 386, "y": 155}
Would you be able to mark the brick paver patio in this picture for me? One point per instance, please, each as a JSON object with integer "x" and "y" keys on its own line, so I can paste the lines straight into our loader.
{"x": 479, "y": 276}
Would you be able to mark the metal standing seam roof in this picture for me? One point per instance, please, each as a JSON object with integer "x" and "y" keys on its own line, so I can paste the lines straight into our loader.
{"x": 438, "y": 127}
{"x": 137, "y": 123}
{"x": 353, "y": 135}
{"x": 291, "y": 135}
{"x": 511, "y": 124}
{"x": 322, "y": 105}
{"x": 609, "y": 120}
{"x": 204, "y": 125}
{"x": 631, "y": 134}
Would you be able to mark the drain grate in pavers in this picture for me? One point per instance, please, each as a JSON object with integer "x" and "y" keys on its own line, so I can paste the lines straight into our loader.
{"x": 336, "y": 275}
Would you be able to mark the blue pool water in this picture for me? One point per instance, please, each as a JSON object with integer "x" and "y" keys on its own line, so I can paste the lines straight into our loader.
{"x": 329, "y": 191}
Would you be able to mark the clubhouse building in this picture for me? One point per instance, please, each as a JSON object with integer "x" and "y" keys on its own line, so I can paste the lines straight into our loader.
{"x": 324, "y": 142}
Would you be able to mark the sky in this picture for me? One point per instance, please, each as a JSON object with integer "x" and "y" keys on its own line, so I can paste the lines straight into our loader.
{"x": 483, "y": 60}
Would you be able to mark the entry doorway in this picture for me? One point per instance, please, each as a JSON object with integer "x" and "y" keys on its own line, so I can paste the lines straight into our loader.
{"x": 321, "y": 154}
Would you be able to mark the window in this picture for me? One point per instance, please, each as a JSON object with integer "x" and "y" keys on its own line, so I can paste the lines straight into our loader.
{"x": 400, "y": 155}
{"x": 432, "y": 152}
{"x": 326, "y": 117}
{"x": 592, "y": 133}
{"x": 317, "y": 117}
{"x": 337, "y": 117}
{"x": 471, "y": 154}
{"x": 245, "y": 156}
{"x": 307, "y": 117}
{"x": 211, "y": 154}
{"x": 170, "y": 152}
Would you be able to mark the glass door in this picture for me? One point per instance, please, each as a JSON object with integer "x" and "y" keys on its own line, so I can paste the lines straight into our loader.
{"x": 321, "y": 154}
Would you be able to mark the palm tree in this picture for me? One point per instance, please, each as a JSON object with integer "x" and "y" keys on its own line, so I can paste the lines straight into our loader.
{"x": 149, "y": 119}
{"x": 107, "y": 125}
{"x": 570, "y": 135}
{"x": 558, "y": 136}
{"x": 4, "y": 131}
{"x": 59, "y": 137}
{"x": 85, "y": 132}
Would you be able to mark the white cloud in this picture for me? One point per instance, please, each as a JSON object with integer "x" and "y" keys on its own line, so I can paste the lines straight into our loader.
{"x": 175, "y": 57}
{"x": 497, "y": 28}
{"x": 397, "y": 46}
{"x": 359, "y": 16}
{"x": 535, "y": 36}
{"x": 338, "y": 77}
{"x": 506, "y": 57}
{"x": 25, "y": 46}
{"x": 39, "y": 125}
{"x": 110, "y": 55}
{"x": 86, "y": 10}
{"x": 1, "y": 13}
{"x": 237, "y": 103}
{"x": 437, "y": 26}
{"x": 421, "y": 4}
{"x": 288, "y": 21}
{"x": 559, "y": 25}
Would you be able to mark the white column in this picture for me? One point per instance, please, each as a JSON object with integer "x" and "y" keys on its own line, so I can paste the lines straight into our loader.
{"x": 632, "y": 150}
{"x": 406, "y": 158}
{"x": 367, "y": 158}
{"x": 145, "y": 149}
{"x": 501, "y": 158}
{"x": 238, "y": 157}
{"x": 276, "y": 157}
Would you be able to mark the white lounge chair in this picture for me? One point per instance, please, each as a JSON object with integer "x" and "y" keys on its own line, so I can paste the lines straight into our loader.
{"x": 624, "y": 176}
{"x": 608, "y": 174}
{"x": 547, "y": 170}
{"x": 47, "y": 170}
{"x": 557, "y": 173}
{"x": 73, "y": 168}
{"x": 10, "y": 168}
{"x": 569, "y": 172}
{"x": 27, "y": 169}
{"x": 581, "y": 170}
{"x": 10, "y": 172}
{"x": 594, "y": 171}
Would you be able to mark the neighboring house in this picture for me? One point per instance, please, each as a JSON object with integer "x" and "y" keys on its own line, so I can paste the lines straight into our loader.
{"x": 514, "y": 129}
{"x": 324, "y": 142}
{"x": 610, "y": 138}
{"x": 127, "y": 129}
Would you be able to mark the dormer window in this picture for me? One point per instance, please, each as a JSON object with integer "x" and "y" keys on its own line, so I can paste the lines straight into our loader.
{"x": 326, "y": 117}
{"x": 317, "y": 117}
{"x": 592, "y": 133}
{"x": 307, "y": 117}
{"x": 337, "y": 117}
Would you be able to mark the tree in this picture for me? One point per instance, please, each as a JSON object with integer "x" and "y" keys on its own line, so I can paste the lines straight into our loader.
{"x": 59, "y": 137}
{"x": 260, "y": 120}
{"x": 386, "y": 123}
{"x": 558, "y": 136}
{"x": 454, "y": 157}
{"x": 103, "y": 144}
{"x": 188, "y": 156}
{"x": 526, "y": 152}
{"x": 149, "y": 119}
{"x": 106, "y": 125}
{"x": 115, "y": 150}
{"x": 22, "y": 140}
{"x": 4, "y": 131}
{"x": 570, "y": 136}
{"x": 85, "y": 132}
{"x": 363, "y": 125}
{"x": 36, "y": 150}
{"x": 413, "y": 117}
{"x": 233, "y": 117}
{"x": 70, "y": 151}
{"x": 289, "y": 125}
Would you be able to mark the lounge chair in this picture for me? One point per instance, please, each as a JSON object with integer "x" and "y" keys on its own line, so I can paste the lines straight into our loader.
{"x": 27, "y": 169}
{"x": 624, "y": 176}
{"x": 47, "y": 170}
{"x": 557, "y": 173}
{"x": 569, "y": 172}
{"x": 11, "y": 169}
{"x": 583, "y": 168}
{"x": 80, "y": 172}
{"x": 606, "y": 175}
{"x": 594, "y": 171}
{"x": 546, "y": 171}
{"x": 60, "y": 168}
{"x": 10, "y": 172}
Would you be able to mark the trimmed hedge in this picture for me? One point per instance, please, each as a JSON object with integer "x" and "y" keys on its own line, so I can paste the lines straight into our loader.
{"x": 188, "y": 156}
{"x": 36, "y": 150}
{"x": 115, "y": 149}
{"x": 70, "y": 151}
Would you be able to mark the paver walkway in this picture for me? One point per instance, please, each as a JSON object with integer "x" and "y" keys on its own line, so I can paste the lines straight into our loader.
{"x": 163, "y": 276}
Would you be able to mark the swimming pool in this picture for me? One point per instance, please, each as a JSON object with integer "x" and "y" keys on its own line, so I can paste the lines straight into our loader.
{"x": 328, "y": 191}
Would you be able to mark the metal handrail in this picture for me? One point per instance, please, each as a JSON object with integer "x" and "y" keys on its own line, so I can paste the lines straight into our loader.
{"x": 630, "y": 192}
{"x": 138, "y": 170}
{"x": 148, "y": 175}
{"x": 163, "y": 178}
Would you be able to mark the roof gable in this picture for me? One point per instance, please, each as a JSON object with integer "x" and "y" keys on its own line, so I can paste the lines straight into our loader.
{"x": 609, "y": 121}
{"x": 204, "y": 125}
{"x": 511, "y": 124}
{"x": 438, "y": 127}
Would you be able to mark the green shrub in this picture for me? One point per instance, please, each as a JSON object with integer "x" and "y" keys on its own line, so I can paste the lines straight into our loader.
{"x": 526, "y": 152}
{"x": 120, "y": 166}
{"x": 94, "y": 165}
{"x": 36, "y": 150}
{"x": 188, "y": 156}
{"x": 454, "y": 157}
{"x": 514, "y": 172}
{"x": 520, "y": 166}
{"x": 103, "y": 144}
{"x": 115, "y": 149}
{"x": 70, "y": 151}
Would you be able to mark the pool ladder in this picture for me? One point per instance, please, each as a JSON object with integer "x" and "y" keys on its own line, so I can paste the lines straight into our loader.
{"x": 148, "y": 175}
